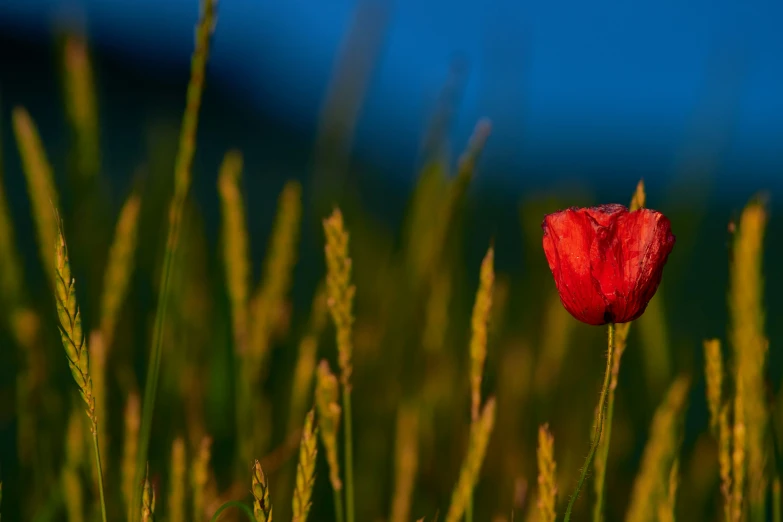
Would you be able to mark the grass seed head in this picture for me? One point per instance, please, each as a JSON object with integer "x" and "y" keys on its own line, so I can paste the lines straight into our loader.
{"x": 262, "y": 508}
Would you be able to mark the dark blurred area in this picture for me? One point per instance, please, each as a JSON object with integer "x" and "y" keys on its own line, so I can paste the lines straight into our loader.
{"x": 350, "y": 103}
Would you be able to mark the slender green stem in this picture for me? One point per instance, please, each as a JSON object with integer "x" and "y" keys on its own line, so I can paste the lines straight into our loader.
{"x": 339, "y": 511}
{"x": 599, "y": 422}
{"x": 603, "y": 448}
{"x": 348, "y": 455}
{"x": 237, "y": 504}
{"x": 100, "y": 471}
{"x": 182, "y": 178}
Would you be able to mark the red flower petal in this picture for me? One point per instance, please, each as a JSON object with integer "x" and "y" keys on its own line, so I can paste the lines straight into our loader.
{"x": 607, "y": 262}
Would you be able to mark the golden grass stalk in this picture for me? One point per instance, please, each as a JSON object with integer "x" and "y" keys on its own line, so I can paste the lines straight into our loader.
{"x": 666, "y": 509}
{"x": 340, "y": 296}
{"x": 406, "y": 462}
{"x": 147, "y": 499}
{"x": 177, "y": 481}
{"x": 478, "y": 340}
{"x": 304, "y": 371}
{"x": 71, "y": 480}
{"x": 725, "y": 459}
{"x": 130, "y": 446}
{"x": 750, "y": 347}
{"x": 182, "y": 179}
{"x": 739, "y": 445}
{"x": 75, "y": 346}
{"x": 200, "y": 477}
{"x": 713, "y": 371}
{"x": 638, "y": 201}
{"x": 329, "y": 411}
{"x": 119, "y": 266}
{"x": 81, "y": 105}
{"x": 455, "y": 195}
{"x": 650, "y": 488}
{"x": 40, "y": 183}
{"x": 269, "y": 299}
{"x": 236, "y": 259}
{"x": 305, "y": 469}
{"x": 97, "y": 358}
{"x": 547, "y": 475}
{"x": 480, "y": 432}
{"x": 262, "y": 508}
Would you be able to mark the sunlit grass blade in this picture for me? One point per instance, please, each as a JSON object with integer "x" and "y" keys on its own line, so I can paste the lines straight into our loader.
{"x": 269, "y": 299}
{"x": 750, "y": 348}
{"x": 666, "y": 509}
{"x": 71, "y": 479}
{"x": 177, "y": 482}
{"x": 329, "y": 412}
{"x": 340, "y": 294}
{"x": 182, "y": 180}
{"x": 406, "y": 461}
{"x": 236, "y": 260}
{"x": 147, "y": 499}
{"x": 547, "y": 475}
{"x": 305, "y": 469}
{"x": 119, "y": 267}
{"x": 81, "y": 105}
{"x": 40, "y": 184}
{"x": 480, "y": 432}
{"x": 479, "y": 326}
{"x": 130, "y": 446}
{"x": 262, "y": 508}
{"x": 651, "y": 488}
{"x": 200, "y": 477}
{"x": 76, "y": 350}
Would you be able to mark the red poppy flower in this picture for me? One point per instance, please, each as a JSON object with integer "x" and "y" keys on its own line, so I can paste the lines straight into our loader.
{"x": 607, "y": 262}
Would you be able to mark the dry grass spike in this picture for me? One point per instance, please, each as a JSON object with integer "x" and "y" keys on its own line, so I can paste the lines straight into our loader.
{"x": 262, "y": 508}
{"x": 479, "y": 322}
{"x": 305, "y": 469}
{"x": 547, "y": 475}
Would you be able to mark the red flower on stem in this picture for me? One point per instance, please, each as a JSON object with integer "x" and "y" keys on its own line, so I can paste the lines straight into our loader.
{"x": 607, "y": 262}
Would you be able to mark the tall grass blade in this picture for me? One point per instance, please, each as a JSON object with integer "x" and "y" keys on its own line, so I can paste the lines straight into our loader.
{"x": 547, "y": 475}
{"x": 406, "y": 460}
{"x": 480, "y": 433}
{"x": 76, "y": 350}
{"x": 650, "y": 488}
{"x": 177, "y": 482}
{"x": 40, "y": 184}
{"x": 340, "y": 294}
{"x": 182, "y": 179}
{"x": 305, "y": 469}
{"x": 119, "y": 267}
{"x": 750, "y": 348}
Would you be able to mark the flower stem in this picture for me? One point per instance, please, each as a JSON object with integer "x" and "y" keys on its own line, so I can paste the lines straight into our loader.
{"x": 348, "y": 455}
{"x": 603, "y": 447}
{"x": 599, "y": 422}
{"x": 100, "y": 471}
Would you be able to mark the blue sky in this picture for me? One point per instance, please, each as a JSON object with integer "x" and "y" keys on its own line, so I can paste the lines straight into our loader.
{"x": 564, "y": 82}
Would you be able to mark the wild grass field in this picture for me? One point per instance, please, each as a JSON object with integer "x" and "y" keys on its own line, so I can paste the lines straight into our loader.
{"x": 362, "y": 372}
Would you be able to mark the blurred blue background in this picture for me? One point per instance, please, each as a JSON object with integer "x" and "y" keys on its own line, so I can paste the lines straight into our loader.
{"x": 591, "y": 92}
